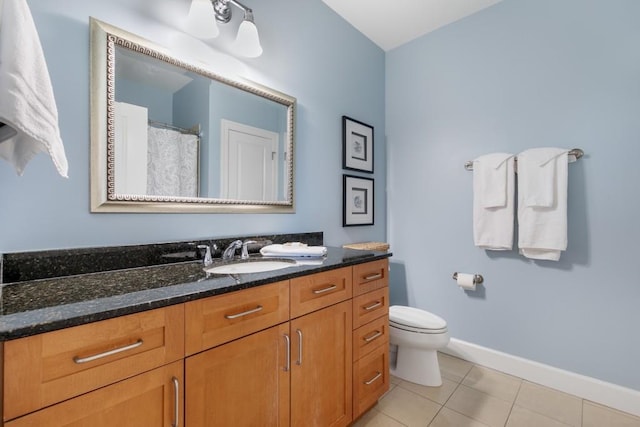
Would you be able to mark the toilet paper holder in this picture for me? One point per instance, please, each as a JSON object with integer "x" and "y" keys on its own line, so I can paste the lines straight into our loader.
{"x": 477, "y": 278}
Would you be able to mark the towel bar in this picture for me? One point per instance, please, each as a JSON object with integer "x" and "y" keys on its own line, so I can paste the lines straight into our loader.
{"x": 575, "y": 152}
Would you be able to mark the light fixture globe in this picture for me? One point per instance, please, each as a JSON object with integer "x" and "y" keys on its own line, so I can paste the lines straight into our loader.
{"x": 247, "y": 41}
{"x": 200, "y": 22}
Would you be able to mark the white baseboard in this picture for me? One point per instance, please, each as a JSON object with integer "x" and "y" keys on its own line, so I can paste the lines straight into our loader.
{"x": 604, "y": 393}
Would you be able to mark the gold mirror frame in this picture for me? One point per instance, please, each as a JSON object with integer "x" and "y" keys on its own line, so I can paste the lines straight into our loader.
{"x": 104, "y": 39}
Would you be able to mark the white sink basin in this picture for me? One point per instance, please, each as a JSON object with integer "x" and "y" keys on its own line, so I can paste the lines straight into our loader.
{"x": 252, "y": 266}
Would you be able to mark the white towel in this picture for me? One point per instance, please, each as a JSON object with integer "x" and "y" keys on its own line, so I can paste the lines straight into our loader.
{"x": 27, "y": 103}
{"x": 493, "y": 201}
{"x": 293, "y": 250}
{"x": 542, "y": 202}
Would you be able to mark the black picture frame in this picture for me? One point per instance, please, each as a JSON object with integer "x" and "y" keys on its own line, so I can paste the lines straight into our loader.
{"x": 357, "y": 200}
{"x": 357, "y": 145}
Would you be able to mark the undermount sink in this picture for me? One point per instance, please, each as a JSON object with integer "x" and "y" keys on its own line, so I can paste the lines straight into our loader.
{"x": 251, "y": 266}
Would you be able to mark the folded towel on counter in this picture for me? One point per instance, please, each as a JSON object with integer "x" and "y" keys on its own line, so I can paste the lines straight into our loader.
{"x": 293, "y": 250}
{"x": 27, "y": 104}
{"x": 542, "y": 202}
{"x": 493, "y": 201}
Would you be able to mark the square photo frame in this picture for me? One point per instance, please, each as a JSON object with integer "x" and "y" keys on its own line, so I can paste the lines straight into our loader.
{"x": 357, "y": 203}
{"x": 357, "y": 145}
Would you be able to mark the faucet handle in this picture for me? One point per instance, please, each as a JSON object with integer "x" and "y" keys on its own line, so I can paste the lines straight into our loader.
{"x": 245, "y": 251}
{"x": 206, "y": 259}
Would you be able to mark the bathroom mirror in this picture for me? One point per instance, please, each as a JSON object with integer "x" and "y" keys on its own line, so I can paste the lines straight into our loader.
{"x": 171, "y": 136}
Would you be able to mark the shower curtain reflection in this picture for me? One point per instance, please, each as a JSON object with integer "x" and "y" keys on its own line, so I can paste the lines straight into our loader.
{"x": 172, "y": 163}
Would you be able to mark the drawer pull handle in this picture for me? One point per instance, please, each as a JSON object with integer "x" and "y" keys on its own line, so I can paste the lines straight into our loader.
{"x": 374, "y": 379}
{"x": 375, "y": 335}
{"x": 288, "y": 364}
{"x": 176, "y": 402}
{"x": 299, "y": 361}
{"x": 244, "y": 313}
{"x": 373, "y": 276}
{"x": 322, "y": 291}
{"x": 80, "y": 360}
{"x": 372, "y": 306}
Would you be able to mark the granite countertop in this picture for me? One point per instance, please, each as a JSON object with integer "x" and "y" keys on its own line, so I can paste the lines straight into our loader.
{"x": 43, "y": 305}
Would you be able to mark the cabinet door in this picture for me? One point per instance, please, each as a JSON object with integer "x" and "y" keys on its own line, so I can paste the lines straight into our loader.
{"x": 321, "y": 368}
{"x": 152, "y": 399}
{"x": 242, "y": 383}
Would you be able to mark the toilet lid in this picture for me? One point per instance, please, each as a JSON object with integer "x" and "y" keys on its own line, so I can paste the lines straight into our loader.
{"x": 415, "y": 318}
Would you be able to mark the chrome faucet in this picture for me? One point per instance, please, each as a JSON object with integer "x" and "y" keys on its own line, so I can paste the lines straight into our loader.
{"x": 230, "y": 252}
{"x": 206, "y": 259}
{"x": 245, "y": 251}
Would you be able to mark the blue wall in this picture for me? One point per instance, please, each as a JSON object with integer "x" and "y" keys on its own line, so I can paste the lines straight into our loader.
{"x": 41, "y": 210}
{"x": 518, "y": 75}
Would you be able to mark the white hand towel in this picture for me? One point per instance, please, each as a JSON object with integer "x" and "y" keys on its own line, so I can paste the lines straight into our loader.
{"x": 27, "y": 103}
{"x": 493, "y": 201}
{"x": 542, "y": 202}
{"x": 277, "y": 250}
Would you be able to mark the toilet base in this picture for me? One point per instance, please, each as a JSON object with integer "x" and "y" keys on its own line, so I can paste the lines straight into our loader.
{"x": 418, "y": 366}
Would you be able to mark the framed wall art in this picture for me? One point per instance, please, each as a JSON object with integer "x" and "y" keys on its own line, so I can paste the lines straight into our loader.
{"x": 357, "y": 145}
{"x": 357, "y": 201}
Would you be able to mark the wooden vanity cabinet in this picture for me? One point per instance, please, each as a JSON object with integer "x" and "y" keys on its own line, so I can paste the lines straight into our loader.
{"x": 370, "y": 334}
{"x": 302, "y": 352}
{"x": 152, "y": 399}
{"x": 45, "y": 369}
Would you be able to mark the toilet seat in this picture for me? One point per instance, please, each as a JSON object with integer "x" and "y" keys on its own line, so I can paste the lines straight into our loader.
{"x": 416, "y": 320}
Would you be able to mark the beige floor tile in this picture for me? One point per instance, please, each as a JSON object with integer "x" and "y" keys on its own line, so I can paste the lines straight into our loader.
{"x": 480, "y": 406}
{"x": 522, "y": 417}
{"x": 554, "y": 404}
{"x": 595, "y": 415}
{"x": 448, "y": 418}
{"x": 408, "y": 408}
{"x": 394, "y": 380}
{"x": 437, "y": 394}
{"x": 375, "y": 418}
{"x": 493, "y": 382}
{"x": 453, "y": 368}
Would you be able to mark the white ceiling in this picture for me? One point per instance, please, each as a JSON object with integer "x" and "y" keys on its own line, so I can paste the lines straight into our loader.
{"x": 390, "y": 24}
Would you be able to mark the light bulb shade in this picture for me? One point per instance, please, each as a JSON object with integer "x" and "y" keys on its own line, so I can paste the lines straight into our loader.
{"x": 247, "y": 41}
{"x": 201, "y": 21}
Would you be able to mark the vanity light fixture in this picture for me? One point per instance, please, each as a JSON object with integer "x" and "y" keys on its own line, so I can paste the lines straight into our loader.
{"x": 200, "y": 24}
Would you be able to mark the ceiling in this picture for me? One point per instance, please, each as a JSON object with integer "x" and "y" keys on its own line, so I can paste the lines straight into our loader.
{"x": 390, "y": 24}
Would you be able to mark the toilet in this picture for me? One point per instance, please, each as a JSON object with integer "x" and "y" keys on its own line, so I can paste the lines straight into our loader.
{"x": 418, "y": 335}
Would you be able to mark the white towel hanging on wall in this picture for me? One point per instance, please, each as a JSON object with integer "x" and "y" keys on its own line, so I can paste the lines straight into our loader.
{"x": 542, "y": 202}
{"x": 493, "y": 201}
{"x": 27, "y": 103}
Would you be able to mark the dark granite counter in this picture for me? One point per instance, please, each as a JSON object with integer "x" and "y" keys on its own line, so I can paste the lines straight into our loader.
{"x": 35, "y": 306}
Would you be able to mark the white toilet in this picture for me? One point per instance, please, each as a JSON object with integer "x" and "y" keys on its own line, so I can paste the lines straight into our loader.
{"x": 418, "y": 335}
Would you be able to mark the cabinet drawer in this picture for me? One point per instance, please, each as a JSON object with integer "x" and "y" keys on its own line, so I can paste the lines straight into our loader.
{"x": 216, "y": 320}
{"x": 316, "y": 291}
{"x": 370, "y": 379}
{"x": 45, "y": 369}
{"x": 367, "y": 337}
{"x": 370, "y": 276}
{"x": 148, "y": 399}
{"x": 370, "y": 306}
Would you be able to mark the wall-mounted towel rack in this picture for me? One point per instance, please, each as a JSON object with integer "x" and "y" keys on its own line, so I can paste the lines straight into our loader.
{"x": 576, "y": 153}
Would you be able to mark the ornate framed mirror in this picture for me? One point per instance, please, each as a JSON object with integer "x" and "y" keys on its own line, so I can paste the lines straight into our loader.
{"x": 171, "y": 136}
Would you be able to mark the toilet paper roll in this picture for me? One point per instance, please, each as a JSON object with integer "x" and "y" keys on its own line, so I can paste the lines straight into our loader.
{"x": 466, "y": 281}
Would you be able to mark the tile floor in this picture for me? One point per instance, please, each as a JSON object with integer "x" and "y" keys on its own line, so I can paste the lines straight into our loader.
{"x": 475, "y": 396}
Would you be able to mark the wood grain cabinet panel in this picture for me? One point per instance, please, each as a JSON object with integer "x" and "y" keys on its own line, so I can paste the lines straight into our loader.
{"x": 220, "y": 319}
{"x": 315, "y": 291}
{"x": 370, "y": 379}
{"x": 151, "y": 399}
{"x": 48, "y": 368}
{"x": 370, "y": 276}
{"x": 368, "y": 337}
{"x": 242, "y": 383}
{"x": 370, "y": 306}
